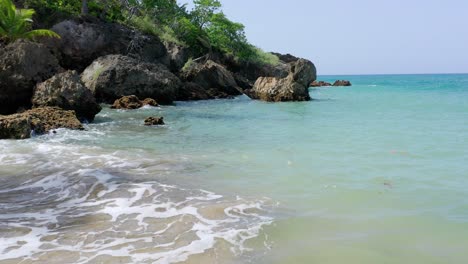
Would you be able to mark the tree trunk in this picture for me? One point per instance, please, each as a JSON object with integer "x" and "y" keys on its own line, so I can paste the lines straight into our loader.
{"x": 84, "y": 7}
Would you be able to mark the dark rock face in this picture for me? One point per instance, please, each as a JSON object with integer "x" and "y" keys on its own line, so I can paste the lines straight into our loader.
{"x": 37, "y": 121}
{"x": 177, "y": 56}
{"x": 22, "y": 65}
{"x": 190, "y": 91}
{"x": 84, "y": 40}
{"x": 113, "y": 76}
{"x": 154, "y": 121}
{"x": 292, "y": 88}
{"x": 319, "y": 84}
{"x": 132, "y": 102}
{"x": 342, "y": 83}
{"x": 214, "y": 77}
{"x": 65, "y": 90}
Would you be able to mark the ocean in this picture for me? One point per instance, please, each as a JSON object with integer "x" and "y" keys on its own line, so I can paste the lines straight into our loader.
{"x": 372, "y": 173}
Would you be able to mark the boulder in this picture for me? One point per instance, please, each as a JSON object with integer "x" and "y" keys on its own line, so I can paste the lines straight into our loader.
{"x": 132, "y": 102}
{"x": 154, "y": 121}
{"x": 294, "y": 87}
{"x": 85, "y": 39}
{"x": 319, "y": 84}
{"x": 113, "y": 76}
{"x": 22, "y": 65}
{"x": 214, "y": 77}
{"x": 65, "y": 90}
{"x": 342, "y": 83}
{"x": 37, "y": 121}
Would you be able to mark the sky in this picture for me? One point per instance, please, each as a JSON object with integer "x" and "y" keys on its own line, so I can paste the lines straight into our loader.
{"x": 360, "y": 36}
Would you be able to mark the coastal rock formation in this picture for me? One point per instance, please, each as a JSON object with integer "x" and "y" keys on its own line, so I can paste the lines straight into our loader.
{"x": 292, "y": 88}
{"x": 113, "y": 76}
{"x": 177, "y": 56}
{"x": 65, "y": 90}
{"x": 154, "y": 121}
{"x": 342, "y": 83}
{"x": 85, "y": 39}
{"x": 286, "y": 58}
{"x": 132, "y": 102}
{"x": 319, "y": 84}
{"x": 214, "y": 77}
{"x": 191, "y": 91}
{"x": 37, "y": 121}
{"x": 22, "y": 65}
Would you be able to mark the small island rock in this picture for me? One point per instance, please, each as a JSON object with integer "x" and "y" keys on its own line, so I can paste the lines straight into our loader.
{"x": 154, "y": 121}
{"x": 319, "y": 84}
{"x": 342, "y": 83}
{"x": 132, "y": 102}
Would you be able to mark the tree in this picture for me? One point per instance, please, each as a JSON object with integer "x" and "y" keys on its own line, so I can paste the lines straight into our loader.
{"x": 203, "y": 11}
{"x": 16, "y": 23}
{"x": 84, "y": 7}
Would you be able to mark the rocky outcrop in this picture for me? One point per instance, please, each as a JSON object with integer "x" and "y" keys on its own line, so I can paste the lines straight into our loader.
{"x": 292, "y": 88}
{"x": 154, "y": 121}
{"x": 84, "y": 40}
{"x": 37, "y": 121}
{"x": 22, "y": 65}
{"x": 177, "y": 56}
{"x": 190, "y": 91}
{"x": 113, "y": 76}
{"x": 319, "y": 84}
{"x": 132, "y": 102}
{"x": 342, "y": 83}
{"x": 286, "y": 58}
{"x": 213, "y": 77}
{"x": 65, "y": 90}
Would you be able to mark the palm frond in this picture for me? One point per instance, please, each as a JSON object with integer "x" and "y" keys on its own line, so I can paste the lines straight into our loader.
{"x": 40, "y": 33}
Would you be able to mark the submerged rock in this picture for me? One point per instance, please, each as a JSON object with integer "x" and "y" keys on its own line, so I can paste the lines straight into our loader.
{"x": 22, "y": 65}
{"x": 212, "y": 77}
{"x": 319, "y": 84}
{"x": 154, "y": 121}
{"x": 294, "y": 87}
{"x": 66, "y": 91}
{"x": 132, "y": 102}
{"x": 37, "y": 121}
{"x": 113, "y": 76}
{"x": 342, "y": 83}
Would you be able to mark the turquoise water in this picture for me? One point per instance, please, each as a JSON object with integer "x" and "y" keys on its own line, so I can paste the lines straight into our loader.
{"x": 373, "y": 173}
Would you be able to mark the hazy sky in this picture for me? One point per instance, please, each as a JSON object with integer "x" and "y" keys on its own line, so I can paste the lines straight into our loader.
{"x": 360, "y": 36}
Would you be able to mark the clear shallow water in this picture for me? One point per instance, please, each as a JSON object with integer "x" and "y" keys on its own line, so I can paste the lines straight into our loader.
{"x": 373, "y": 173}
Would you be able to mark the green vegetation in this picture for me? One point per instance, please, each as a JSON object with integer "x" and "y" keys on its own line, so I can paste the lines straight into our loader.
{"x": 16, "y": 23}
{"x": 204, "y": 28}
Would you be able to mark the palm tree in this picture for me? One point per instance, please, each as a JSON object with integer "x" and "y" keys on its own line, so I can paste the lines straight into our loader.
{"x": 16, "y": 23}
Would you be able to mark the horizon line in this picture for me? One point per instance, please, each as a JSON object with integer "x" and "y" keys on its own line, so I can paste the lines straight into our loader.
{"x": 356, "y": 74}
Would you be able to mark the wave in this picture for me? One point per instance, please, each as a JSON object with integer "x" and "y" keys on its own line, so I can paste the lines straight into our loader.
{"x": 80, "y": 204}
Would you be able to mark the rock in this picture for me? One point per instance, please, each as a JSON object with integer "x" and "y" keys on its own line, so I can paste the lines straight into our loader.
{"x": 191, "y": 91}
{"x": 214, "y": 77}
{"x": 150, "y": 102}
{"x": 22, "y": 65}
{"x": 319, "y": 84}
{"x": 132, "y": 102}
{"x": 177, "y": 56}
{"x": 85, "y": 39}
{"x": 292, "y": 88}
{"x": 154, "y": 121}
{"x": 37, "y": 121}
{"x": 342, "y": 83}
{"x": 65, "y": 90}
{"x": 113, "y": 76}
{"x": 285, "y": 58}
